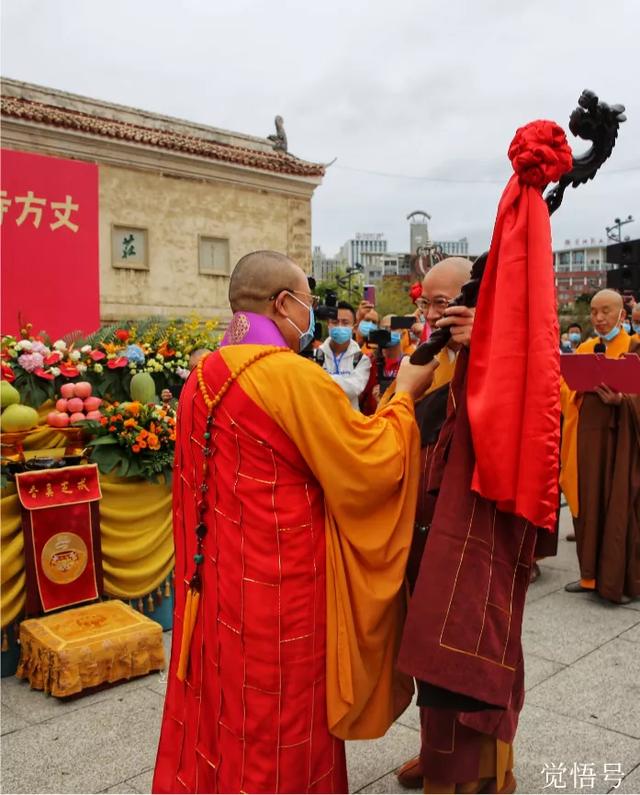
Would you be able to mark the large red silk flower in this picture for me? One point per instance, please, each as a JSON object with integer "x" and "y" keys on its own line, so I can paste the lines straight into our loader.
{"x": 513, "y": 382}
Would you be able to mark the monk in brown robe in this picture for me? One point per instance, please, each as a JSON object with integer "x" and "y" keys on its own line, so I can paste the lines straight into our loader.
{"x": 601, "y": 468}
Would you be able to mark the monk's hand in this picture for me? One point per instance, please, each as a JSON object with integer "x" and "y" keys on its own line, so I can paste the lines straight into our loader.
{"x": 459, "y": 319}
{"x": 608, "y": 396}
{"x": 363, "y": 308}
{"x": 415, "y": 378}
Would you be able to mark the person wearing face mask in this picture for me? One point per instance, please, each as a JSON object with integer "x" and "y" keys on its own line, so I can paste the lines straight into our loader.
{"x": 634, "y": 344}
{"x": 600, "y": 467}
{"x": 293, "y": 517}
{"x": 574, "y": 335}
{"x": 342, "y": 357}
{"x": 369, "y": 322}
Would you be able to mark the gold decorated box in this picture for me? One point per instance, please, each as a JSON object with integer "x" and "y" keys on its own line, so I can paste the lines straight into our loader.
{"x": 65, "y": 653}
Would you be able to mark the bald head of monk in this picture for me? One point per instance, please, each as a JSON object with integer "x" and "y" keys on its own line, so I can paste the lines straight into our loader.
{"x": 607, "y": 312}
{"x": 635, "y": 318}
{"x": 269, "y": 283}
{"x": 443, "y": 283}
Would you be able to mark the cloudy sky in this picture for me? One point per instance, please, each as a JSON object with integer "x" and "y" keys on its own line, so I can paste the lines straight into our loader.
{"x": 417, "y": 99}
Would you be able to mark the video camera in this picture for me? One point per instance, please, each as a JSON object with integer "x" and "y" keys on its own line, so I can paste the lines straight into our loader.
{"x": 328, "y": 310}
{"x": 380, "y": 338}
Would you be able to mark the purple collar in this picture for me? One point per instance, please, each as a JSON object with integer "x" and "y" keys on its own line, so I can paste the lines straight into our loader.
{"x": 248, "y": 328}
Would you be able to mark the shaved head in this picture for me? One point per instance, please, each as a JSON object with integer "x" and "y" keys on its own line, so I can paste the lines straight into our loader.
{"x": 447, "y": 277}
{"x": 606, "y": 311}
{"x": 259, "y": 275}
{"x": 635, "y": 313}
{"x": 607, "y": 297}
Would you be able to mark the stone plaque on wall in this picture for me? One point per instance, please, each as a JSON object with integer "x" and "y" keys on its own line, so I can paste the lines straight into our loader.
{"x": 213, "y": 256}
{"x": 129, "y": 247}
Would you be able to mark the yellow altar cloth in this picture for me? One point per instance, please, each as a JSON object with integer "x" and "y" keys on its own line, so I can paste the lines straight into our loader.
{"x": 136, "y": 536}
{"x": 65, "y": 653}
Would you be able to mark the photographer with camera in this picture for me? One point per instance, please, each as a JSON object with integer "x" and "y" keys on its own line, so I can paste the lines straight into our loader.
{"x": 341, "y": 357}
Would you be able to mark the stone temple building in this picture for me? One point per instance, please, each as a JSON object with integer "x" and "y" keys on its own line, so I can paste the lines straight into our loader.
{"x": 178, "y": 202}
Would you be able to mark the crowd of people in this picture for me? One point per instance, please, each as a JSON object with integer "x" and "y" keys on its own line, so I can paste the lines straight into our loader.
{"x": 301, "y": 516}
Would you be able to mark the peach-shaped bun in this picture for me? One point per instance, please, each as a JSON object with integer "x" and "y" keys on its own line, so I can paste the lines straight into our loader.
{"x": 51, "y": 418}
{"x": 67, "y": 390}
{"x": 94, "y": 415}
{"x": 61, "y": 405}
{"x": 92, "y": 403}
{"x": 75, "y": 404}
{"x": 77, "y": 416}
{"x": 83, "y": 389}
{"x": 60, "y": 420}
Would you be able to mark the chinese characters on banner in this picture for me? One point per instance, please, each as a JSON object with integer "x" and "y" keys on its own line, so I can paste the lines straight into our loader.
{"x": 50, "y": 267}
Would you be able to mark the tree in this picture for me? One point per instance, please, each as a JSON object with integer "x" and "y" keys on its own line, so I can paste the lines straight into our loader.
{"x": 392, "y": 297}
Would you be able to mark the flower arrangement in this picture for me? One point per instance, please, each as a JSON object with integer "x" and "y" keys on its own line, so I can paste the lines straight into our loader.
{"x": 134, "y": 439}
{"x": 107, "y": 359}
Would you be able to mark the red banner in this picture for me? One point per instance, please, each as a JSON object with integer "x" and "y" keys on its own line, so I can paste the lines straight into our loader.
{"x": 50, "y": 266}
{"x": 62, "y": 536}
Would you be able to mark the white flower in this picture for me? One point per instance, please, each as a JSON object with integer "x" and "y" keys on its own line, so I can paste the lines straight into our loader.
{"x": 97, "y": 368}
{"x": 82, "y": 368}
{"x": 54, "y": 371}
{"x": 24, "y": 345}
{"x": 85, "y": 348}
{"x": 75, "y": 356}
{"x": 60, "y": 345}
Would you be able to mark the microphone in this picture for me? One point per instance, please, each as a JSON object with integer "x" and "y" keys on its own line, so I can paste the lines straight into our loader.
{"x": 600, "y": 347}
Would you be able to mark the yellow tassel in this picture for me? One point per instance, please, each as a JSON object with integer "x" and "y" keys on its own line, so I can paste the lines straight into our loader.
{"x": 141, "y": 605}
{"x": 151, "y": 606}
{"x": 167, "y": 588}
{"x": 188, "y": 623}
{"x": 5, "y": 640}
{"x": 158, "y": 596}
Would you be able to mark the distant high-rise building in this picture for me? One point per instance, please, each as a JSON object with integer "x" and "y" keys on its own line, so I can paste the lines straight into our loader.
{"x": 323, "y": 268}
{"x": 353, "y": 250}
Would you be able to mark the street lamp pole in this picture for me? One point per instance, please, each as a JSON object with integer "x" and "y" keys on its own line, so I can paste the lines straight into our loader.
{"x": 614, "y": 232}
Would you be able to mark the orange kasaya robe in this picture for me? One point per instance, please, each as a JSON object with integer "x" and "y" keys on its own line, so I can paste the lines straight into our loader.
{"x": 310, "y": 518}
{"x": 571, "y": 403}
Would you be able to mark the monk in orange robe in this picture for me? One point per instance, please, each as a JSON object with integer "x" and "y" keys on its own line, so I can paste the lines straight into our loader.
{"x": 600, "y": 473}
{"x": 293, "y": 518}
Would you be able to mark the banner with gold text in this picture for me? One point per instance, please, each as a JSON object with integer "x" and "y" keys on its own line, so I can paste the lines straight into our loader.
{"x": 61, "y": 526}
{"x": 50, "y": 270}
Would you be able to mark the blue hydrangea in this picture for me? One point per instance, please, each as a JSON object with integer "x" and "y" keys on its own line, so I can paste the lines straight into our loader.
{"x": 134, "y": 354}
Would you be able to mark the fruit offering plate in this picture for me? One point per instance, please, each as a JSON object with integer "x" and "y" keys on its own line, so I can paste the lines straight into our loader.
{"x": 12, "y": 443}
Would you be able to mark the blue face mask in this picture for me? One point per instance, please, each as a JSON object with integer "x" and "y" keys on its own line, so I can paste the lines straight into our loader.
{"x": 340, "y": 334}
{"x": 626, "y": 326}
{"x": 306, "y": 337}
{"x": 575, "y": 336}
{"x": 611, "y": 335}
{"x": 636, "y": 328}
{"x": 365, "y": 327}
{"x": 395, "y": 339}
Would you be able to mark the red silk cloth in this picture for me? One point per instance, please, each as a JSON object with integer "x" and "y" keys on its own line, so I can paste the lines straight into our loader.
{"x": 251, "y": 715}
{"x": 513, "y": 386}
{"x": 61, "y": 527}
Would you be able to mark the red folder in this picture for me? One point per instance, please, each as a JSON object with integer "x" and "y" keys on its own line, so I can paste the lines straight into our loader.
{"x": 586, "y": 371}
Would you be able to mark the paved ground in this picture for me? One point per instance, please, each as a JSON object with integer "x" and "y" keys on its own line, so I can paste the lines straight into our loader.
{"x": 583, "y": 708}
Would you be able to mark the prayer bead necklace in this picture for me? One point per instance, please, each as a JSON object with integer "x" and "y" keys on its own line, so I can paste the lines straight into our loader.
{"x": 212, "y": 403}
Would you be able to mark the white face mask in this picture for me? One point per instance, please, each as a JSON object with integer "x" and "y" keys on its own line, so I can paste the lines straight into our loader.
{"x": 306, "y": 337}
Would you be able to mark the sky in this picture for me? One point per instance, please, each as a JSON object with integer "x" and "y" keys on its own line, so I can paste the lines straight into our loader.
{"x": 417, "y": 101}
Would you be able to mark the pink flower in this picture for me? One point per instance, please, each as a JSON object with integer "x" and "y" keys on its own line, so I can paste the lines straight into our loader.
{"x": 43, "y": 374}
{"x": 30, "y": 361}
{"x": 121, "y": 361}
{"x": 69, "y": 371}
{"x": 97, "y": 356}
{"x": 53, "y": 358}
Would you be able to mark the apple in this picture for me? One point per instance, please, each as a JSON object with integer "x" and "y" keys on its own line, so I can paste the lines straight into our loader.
{"x": 59, "y": 419}
{"x": 83, "y": 389}
{"x": 67, "y": 390}
{"x": 77, "y": 416}
{"x": 75, "y": 404}
{"x": 92, "y": 403}
{"x": 94, "y": 415}
{"x": 61, "y": 405}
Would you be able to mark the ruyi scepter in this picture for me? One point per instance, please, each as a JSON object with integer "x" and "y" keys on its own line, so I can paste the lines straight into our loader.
{"x": 593, "y": 121}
